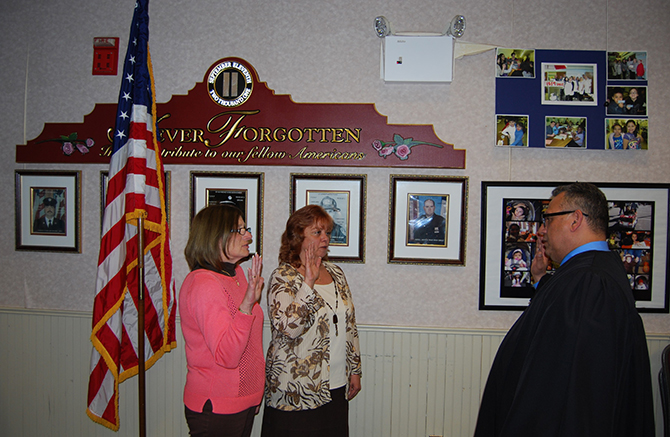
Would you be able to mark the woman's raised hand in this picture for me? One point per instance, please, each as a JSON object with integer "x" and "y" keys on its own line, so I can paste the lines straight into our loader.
{"x": 311, "y": 263}
{"x": 255, "y": 284}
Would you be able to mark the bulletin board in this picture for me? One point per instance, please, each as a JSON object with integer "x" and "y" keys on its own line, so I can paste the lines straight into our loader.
{"x": 531, "y": 91}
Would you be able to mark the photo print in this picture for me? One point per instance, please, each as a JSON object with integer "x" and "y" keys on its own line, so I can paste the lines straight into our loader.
{"x": 217, "y": 196}
{"x": 565, "y": 132}
{"x": 630, "y": 234}
{"x": 48, "y": 211}
{"x": 569, "y": 84}
{"x": 626, "y": 134}
{"x": 626, "y": 65}
{"x": 630, "y": 101}
{"x": 522, "y": 219}
{"x": 515, "y": 63}
{"x": 336, "y": 204}
{"x": 427, "y": 223}
{"x": 512, "y": 130}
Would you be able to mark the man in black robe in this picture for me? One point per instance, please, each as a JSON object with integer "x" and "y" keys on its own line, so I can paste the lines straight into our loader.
{"x": 576, "y": 362}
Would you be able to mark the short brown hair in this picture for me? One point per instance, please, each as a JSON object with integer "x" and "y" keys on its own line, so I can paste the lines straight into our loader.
{"x": 210, "y": 231}
{"x": 294, "y": 235}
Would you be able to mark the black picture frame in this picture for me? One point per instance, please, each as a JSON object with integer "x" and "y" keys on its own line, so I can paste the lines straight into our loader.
{"x": 649, "y": 221}
{"x": 52, "y": 195}
{"x": 445, "y": 244}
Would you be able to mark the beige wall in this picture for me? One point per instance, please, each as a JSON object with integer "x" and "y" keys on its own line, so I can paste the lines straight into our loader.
{"x": 417, "y": 382}
{"x": 317, "y": 51}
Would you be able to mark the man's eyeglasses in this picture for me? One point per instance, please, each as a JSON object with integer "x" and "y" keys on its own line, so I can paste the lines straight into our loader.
{"x": 554, "y": 214}
{"x": 241, "y": 231}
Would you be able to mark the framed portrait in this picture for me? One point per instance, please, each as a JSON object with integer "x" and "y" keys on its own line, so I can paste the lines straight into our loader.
{"x": 343, "y": 196}
{"x": 518, "y": 63}
{"x": 627, "y": 66}
{"x": 626, "y": 101}
{"x": 568, "y": 132}
{"x": 243, "y": 190}
{"x": 427, "y": 220}
{"x": 512, "y": 215}
{"x": 569, "y": 84}
{"x": 48, "y": 211}
{"x": 626, "y": 134}
{"x": 512, "y": 130}
{"x": 104, "y": 180}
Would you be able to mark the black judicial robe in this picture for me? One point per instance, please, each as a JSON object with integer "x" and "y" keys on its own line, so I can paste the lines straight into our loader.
{"x": 576, "y": 362}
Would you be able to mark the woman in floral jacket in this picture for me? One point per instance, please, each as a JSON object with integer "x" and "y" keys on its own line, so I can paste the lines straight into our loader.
{"x": 313, "y": 365}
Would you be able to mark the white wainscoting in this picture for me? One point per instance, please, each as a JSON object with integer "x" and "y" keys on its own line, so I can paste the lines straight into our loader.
{"x": 416, "y": 381}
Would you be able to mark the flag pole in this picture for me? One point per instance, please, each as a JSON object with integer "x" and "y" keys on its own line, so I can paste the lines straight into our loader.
{"x": 119, "y": 352}
{"x": 140, "y": 327}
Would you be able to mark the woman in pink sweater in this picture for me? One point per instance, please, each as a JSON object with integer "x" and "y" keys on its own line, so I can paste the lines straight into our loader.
{"x": 222, "y": 324}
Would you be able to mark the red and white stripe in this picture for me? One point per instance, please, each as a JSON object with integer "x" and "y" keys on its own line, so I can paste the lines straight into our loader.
{"x": 136, "y": 187}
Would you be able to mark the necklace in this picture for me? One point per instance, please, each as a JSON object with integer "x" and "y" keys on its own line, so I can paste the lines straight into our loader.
{"x": 231, "y": 276}
{"x": 337, "y": 303}
{"x": 228, "y": 269}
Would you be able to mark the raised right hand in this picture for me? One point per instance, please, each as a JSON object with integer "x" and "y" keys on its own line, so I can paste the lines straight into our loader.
{"x": 255, "y": 285}
{"x": 311, "y": 263}
{"x": 540, "y": 262}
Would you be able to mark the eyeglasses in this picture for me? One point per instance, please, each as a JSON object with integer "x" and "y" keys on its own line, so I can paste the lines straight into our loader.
{"x": 241, "y": 231}
{"x": 554, "y": 214}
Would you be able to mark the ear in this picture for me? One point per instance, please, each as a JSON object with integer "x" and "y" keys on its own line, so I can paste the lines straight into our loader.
{"x": 578, "y": 221}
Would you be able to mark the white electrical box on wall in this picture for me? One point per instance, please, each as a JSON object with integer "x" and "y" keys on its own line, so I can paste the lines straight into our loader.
{"x": 418, "y": 58}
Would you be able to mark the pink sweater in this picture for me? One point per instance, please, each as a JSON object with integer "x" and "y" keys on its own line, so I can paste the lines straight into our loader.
{"x": 224, "y": 347}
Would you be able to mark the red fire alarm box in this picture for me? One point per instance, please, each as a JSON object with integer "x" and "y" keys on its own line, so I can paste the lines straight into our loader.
{"x": 105, "y": 56}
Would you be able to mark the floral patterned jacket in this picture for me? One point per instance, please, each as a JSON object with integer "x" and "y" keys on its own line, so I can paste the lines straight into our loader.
{"x": 297, "y": 369}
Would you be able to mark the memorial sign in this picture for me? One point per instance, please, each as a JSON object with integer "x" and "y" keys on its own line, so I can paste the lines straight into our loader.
{"x": 232, "y": 118}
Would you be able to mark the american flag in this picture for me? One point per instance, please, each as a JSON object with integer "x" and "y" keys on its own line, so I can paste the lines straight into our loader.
{"x": 136, "y": 188}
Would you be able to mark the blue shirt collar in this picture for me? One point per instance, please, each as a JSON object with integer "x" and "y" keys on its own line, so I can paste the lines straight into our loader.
{"x": 594, "y": 245}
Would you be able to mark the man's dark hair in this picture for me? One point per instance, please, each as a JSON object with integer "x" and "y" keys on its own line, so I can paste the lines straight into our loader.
{"x": 615, "y": 91}
{"x": 588, "y": 199}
